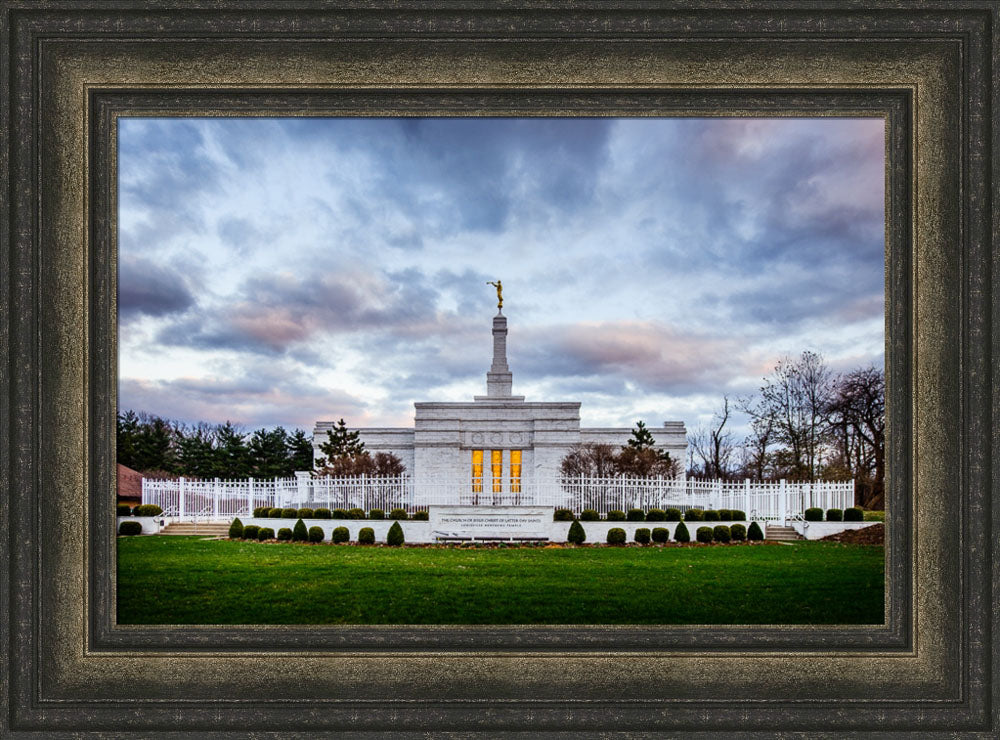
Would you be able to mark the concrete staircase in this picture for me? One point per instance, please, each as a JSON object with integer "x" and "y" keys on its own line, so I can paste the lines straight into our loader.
{"x": 206, "y": 529}
{"x": 782, "y": 534}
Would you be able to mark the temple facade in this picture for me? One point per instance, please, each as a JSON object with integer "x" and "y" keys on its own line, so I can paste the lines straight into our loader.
{"x": 497, "y": 436}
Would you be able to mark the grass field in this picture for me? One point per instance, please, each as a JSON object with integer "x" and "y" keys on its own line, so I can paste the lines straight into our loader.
{"x": 191, "y": 580}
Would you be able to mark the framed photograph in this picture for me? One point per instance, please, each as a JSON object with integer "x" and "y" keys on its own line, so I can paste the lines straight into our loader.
{"x": 72, "y": 75}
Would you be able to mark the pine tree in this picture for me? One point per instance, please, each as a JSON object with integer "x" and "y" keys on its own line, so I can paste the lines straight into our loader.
{"x": 642, "y": 438}
{"x": 196, "y": 452}
{"x": 127, "y": 437}
{"x": 340, "y": 444}
{"x": 268, "y": 452}
{"x": 300, "y": 451}
{"x": 232, "y": 458}
{"x": 155, "y": 445}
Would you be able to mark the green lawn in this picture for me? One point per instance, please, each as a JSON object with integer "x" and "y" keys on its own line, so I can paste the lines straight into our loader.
{"x": 191, "y": 580}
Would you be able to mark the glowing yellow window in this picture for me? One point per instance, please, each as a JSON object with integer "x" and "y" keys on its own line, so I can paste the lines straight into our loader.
{"x": 496, "y": 467}
{"x": 477, "y": 471}
{"x": 515, "y": 471}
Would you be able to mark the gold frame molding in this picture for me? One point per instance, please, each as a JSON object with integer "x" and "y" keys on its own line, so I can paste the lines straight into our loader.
{"x": 71, "y": 69}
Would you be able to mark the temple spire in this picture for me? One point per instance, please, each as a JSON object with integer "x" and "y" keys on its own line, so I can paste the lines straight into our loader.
{"x": 499, "y": 377}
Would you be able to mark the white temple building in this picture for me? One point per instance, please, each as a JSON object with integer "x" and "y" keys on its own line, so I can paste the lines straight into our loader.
{"x": 500, "y": 437}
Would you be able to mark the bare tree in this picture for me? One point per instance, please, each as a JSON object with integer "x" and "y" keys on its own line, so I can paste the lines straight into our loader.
{"x": 856, "y": 423}
{"x": 714, "y": 445}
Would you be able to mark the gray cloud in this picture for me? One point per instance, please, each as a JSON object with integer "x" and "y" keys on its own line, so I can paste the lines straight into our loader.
{"x": 145, "y": 287}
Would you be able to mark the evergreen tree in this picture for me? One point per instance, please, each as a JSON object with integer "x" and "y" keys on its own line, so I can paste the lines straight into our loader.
{"x": 196, "y": 452}
{"x": 155, "y": 445}
{"x": 642, "y": 438}
{"x": 300, "y": 451}
{"x": 232, "y": 458}
{"x": 269, "y": 453}
{"x": 340, "y": 444}
{"x": 126, "y": 438}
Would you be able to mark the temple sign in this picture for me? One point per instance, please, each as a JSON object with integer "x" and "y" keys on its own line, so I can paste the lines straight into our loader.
{"x": 499, "y": 286}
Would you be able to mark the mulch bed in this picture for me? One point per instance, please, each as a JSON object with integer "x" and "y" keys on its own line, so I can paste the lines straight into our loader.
{"x": 873, "y": 535}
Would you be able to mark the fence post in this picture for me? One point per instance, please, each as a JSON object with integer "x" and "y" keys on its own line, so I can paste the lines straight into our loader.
{"x": 215, "y": 500}
{"x": 180, "y": 496}
{"x": 747, "y": 505}
{"x": 250, "y": 494}
{"x": 783, "y": 501}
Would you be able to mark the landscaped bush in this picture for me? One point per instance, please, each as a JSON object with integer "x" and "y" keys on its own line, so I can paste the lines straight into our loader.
{"x": 420, "y": 516}
{"x": 616, "y": 536}
{"x": 341, "y": 514}
{"x": 681, "y": 534}
{"x": 356, "y": 513}
{"x": 366, "y": 536}
{"x": 265, "y": 533}
{"x": 576, "y": 534}
{"x": 340, "y": 534}
{"x": 655, "y": 515}
{"x": 394, "y": 537}
{"x": 589, "y": 515}
{"x": 642, "y": 536}
{"x": 399, "y": 514}
{"x": 753, "y": 532}
{"x": 151, "y": 510}
{"x": 130, "y": 528}
{"x": 299, "y": 531}
{"x": 704, "y": 534}
{"x": 738, "y": 516}
{"x": 285, "y": 534}
{"x": 236, "y": 529}
{"x": 616, "y": 516}
{"x": 316, "y": 534}
{"x": 376, "y": 514}
{"x": 725, "y": 515}
{"x": 322, "y": 513}
{"x": 721, "y": 533}
{"x": 261, "y": 511}
{"x": 711, "y": 516}
{"x": 661, "y": 535}
{"x": 672, "y": 515}
{"x": 739, "y": 532}
{"x": 250, "y": 532}
{"x": 289, "y": 513}
{"x": 562, "y": 515}
{"x": 814, "y": 514}
{"x": 276, "y": 513}
{"x": 874, "y": 516}
{"x": 305, "y": 513}
{"x": 835, "y": 515}
{"x": 635, "y": 515}
{"x": 854, "y": 514}
{"x": 694, "y": 515}
{"x": 124, "y": 510}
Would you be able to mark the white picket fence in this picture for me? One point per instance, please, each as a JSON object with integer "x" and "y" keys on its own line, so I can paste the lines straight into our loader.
{"x": 223, "y": 499}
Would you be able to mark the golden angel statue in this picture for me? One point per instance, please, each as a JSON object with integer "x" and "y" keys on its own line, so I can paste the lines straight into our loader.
{"x": 499, "y": 286}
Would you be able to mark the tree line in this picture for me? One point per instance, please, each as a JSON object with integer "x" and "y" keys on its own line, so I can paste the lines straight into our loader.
{"x": 806, "y": 423}
{"x": 158, "y": 447}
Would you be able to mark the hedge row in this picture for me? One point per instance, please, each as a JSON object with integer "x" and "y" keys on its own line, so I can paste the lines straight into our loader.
{"x": 654, "y": 515}
{"x": 718, "y": 533}
{"x": 268, "y": 512}
{"x": 140, "y": 510}
{"x": 299, "y": 533}
{"x": 853, "y": 514}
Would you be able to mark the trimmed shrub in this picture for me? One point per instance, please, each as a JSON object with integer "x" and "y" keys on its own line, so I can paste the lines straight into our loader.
{"x": 704, "y": 534}
{"x": 681, "y": 534}
{"x": 635, "y": 515}
{"x": 589, "y": 515}
{"x": 753, "y": 532}
{"x": 711, "y": 516}
{"x": 341, "y": 514}
{"x": 814, "y": 514}
{"x": 299, "y": 532}
{"x": 316, "y": 534}
{"x": 124, "y": 510}
{"x": 250, "y": 532}
{"x": 642, "y": 536}
{"x": 655, "y": 515}
{"x": 399, "y": 515}
{"x": 289, "y": 513}
{"x": 738, "y": 532}
{"x": 305, "y": 513}
{"x": 576, "y": 534}
{"x": 276, "y": 513}
{"x": 322, "y": 513}
{"x": 661, "y": 535}
{"x": 130, "y": 528}
{"x": 738, "y": 516}
{"x": 355, "y": 513}
{"x": 725, "y": 515}
{"x": 340, "y": 534}
{"x": 265, "y": 533}
{"x": 672, "y": 515}
{"x": 721, "y": 533}
{"x": 147, "y": 510}
{"x": 420, "y": 516}
{"x": 562, "y": 515}
{"x": 261, "y": 511}
{"x": 854, "y": 514}
{"x": 835, "y": 515}
{"x": 285, "y": 534}
{"x": 694, "y": 515}
{"x": 236, "y": 530}
{"x": 376, "y": 514}
{"x": 394, "y": 537}
{"x": 877, "y": 515}
{"x": 366, "y": 536}
{"x": 616, "y": 536}
{"x": 616, "y": 516}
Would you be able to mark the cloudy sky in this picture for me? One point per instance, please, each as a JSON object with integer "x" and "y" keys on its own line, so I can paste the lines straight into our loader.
{"x": 284, "y": 271}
